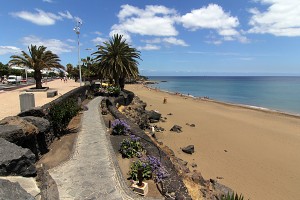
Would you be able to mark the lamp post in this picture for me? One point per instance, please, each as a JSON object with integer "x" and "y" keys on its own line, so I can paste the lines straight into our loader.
{"x": 77, "y": 31}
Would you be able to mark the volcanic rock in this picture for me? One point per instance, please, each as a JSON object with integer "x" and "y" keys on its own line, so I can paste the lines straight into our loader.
{"x": 188, "y": 149}
{"x": 15, "y": 160}
{"x": 12, "y": 191}
{"x": 176, "y": 128}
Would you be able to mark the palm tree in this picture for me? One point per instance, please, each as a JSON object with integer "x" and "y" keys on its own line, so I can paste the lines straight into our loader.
{"x": 38, "y": 59}
{"x": 117, "y": 60}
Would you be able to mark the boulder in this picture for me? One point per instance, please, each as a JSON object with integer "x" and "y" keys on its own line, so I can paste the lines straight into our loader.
{"x": 11, "y": 133}
{"x": 153, "y": 115}
{"x": 13, "y": 191}
{"x": 27, "y": 127}
{"x": 15, "y": 160}
{"x": 43, "y": 125}
{"x": 176, "y": 128}
{"x": 36, "y": 112}
{"x": 188, "y": 149}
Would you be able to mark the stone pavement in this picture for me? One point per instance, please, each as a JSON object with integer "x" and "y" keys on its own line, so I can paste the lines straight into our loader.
{"x": 91, "y": 173}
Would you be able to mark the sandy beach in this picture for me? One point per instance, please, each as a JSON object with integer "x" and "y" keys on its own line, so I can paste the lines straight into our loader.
{"x": 254, "y": 152}
{"x": 10, "y": 101}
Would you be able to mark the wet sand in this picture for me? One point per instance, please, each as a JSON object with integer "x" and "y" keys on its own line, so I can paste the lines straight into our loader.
{"x": 10, "y": 101}
{"x": 254, "y": 152}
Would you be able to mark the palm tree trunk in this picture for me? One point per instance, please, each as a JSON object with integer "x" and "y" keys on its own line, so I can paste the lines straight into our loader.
{"x": 38, "y": 79}
{"x": 116, "y": 79}
{"x": 122, "y": 83}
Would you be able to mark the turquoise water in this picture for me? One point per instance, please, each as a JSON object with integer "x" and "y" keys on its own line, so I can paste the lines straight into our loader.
{"x": 276, "y": 93}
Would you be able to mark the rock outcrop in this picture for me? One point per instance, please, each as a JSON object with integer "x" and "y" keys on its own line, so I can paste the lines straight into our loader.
{"x": 28, "y": 132}
{"x": 15, "y": 160}
{"x": 14, "y": 134}
{"x": 13, "y": 191}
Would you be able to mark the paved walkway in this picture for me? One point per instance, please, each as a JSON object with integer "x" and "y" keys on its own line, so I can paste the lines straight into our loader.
{"x": 10, "y": 100}
{"x": 90, "y": 173}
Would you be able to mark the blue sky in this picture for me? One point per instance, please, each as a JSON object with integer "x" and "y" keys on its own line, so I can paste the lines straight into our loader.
{"x": 192, "y": 37}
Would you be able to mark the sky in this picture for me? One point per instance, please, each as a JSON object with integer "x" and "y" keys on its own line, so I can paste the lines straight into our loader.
{"x": 178, "y": 38}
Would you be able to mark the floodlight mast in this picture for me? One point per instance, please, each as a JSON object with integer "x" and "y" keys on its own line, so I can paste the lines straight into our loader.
{"x": 77, "y": 31}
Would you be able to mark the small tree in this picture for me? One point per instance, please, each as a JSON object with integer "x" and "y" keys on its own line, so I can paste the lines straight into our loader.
{"x": 38, "y": 59}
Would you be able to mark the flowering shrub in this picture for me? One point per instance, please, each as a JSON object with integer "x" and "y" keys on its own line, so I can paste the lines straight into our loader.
{"x": 152, "y": 168}
{"x": 147, "y": 171}
{"x": 120, "y": 127}
{"x": 131, "y": 147}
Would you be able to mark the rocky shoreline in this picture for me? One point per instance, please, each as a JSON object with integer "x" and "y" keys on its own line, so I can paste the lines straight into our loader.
{"x": 146, "y": 119}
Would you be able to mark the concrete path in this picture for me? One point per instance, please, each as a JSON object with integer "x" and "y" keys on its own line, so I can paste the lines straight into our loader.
{"x": 90, "y": 173}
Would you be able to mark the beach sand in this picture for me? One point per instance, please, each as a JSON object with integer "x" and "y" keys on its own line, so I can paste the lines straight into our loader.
{"x": 10, "y": 100}
{"x": 254, "y": 152}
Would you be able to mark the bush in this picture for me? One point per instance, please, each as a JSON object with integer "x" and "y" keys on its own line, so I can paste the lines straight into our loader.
{"x": 61, "y": 114}
{"x": 120, "y": 127}
{"x": 113, "y": 91}
{"x": 152, "y": 168}
{"x": 131, "y": 147}
{"x": 232, "y": 197}
{"x": 147, "y": 171}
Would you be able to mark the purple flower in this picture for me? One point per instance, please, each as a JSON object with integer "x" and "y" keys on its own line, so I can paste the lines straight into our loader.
{"x": 120, "y": 127}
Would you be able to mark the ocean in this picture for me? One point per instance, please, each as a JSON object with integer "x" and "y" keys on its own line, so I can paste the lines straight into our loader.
{"x": 271, "y": 92}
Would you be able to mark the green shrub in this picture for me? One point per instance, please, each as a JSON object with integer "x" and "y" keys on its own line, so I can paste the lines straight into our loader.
{"x": 131, "y": 147}
{"x": 147, "y": 171}
{"x": 113, "y": 91}
{"x": 233, "y": 196}
{"x": 62, "y": 113}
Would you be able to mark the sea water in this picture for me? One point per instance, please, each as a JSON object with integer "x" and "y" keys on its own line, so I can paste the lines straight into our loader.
{"x": 271, "y": 92}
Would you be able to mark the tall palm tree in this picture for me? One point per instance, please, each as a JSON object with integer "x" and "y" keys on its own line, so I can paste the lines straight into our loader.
{"x": 117, "y": 60}
{"x": 38, "y": 59}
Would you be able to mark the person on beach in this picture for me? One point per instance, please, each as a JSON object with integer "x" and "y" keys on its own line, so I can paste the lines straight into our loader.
{"x": 165, "y": 100}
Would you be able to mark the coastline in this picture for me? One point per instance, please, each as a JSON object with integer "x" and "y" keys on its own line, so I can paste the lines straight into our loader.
{"x": 251, "y": 107}
{"x": 252, "y": 150}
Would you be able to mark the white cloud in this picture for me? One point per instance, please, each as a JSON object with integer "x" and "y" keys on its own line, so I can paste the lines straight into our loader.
{"x": 43, "y": 18}
{"x": 67, "y": 14}
{"x": 149, "y": 47}
{"x": 40, "y": 17}
{"x": 210, "y": 17}
{"x": 71, "y": 40}
{"x": 98, "y": 40}
{"x": 55, "y": 45}
{"x": 166, "y": 41}
{"x": 124, "y": 33}
{"x": 9, "y": 50}
{"x": 213, "y": 17}
{"x": 174, "y": 41}
{"x": 281, "y": 18}
{"x": 153, "y": 20}
{"x": 48, "y": 1}
{"x": 98, "y": 33}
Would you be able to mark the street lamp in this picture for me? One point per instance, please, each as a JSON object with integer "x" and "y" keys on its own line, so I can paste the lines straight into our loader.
{"x": 77, "y": 31}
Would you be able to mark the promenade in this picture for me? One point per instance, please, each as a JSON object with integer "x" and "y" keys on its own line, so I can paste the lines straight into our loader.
{"x": 10, "y": 102}
{"x": 91, "y": 173}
